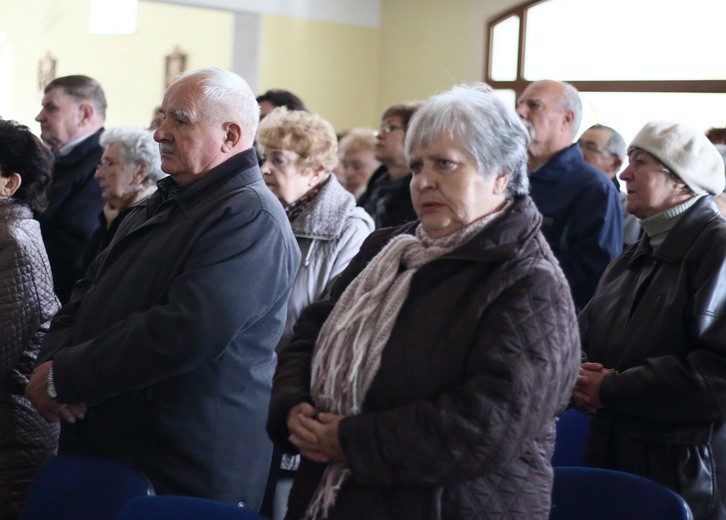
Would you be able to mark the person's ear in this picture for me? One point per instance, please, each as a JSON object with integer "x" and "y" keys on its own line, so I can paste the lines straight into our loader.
{"x": 10, "y": 184}
{"x": 617, "y": 163}
{"x": 142, "y": 171}
{"x": 500, "y": 184}
{"x": 316, "y": 176}
{"x": 232, "y": 136}
{"x": 568, "y": 118}
{"x": 86, "y": 110}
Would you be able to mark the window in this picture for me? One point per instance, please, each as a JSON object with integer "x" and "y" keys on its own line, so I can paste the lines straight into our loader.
{"x": 632, "y": 60}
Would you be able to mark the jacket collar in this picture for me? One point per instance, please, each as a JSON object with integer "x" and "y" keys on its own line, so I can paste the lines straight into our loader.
{"x": 680, "y": 238}
{"x": 324, "y": 218}
{"x": 81, "y": 150}
{"x": 564, "y": 159}
{"x": 505, "y": 237}
{"x": 243, "y": 165}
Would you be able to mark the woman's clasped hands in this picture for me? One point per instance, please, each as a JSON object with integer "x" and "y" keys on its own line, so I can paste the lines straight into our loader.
{"x": 315, "y": 434}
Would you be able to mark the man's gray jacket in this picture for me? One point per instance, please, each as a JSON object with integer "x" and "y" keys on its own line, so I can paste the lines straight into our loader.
{"x": 170, "y": 338}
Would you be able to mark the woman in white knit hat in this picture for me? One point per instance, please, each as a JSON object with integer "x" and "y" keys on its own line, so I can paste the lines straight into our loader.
{"x": 655, "y": 331}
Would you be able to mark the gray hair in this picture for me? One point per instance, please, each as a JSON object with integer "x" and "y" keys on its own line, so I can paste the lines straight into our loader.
{"x": 137, "y": 147}
{"x": 571, "y": 101}
{"x": 616, "y": 144}
{"x": 484, "y": 125}
{"x": 227, "y": 97}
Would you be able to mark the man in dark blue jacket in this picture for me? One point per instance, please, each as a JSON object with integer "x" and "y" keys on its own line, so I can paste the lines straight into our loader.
{"x": 164, "y": 356}
{"x": 71, "y": 123}
{"x": 582, "y": 214}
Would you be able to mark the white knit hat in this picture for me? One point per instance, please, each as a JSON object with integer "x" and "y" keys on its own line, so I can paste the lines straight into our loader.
{"x": 686, "y": 152}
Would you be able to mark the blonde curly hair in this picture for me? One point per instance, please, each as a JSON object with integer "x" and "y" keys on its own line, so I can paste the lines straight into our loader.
{"x": 308, "y": 135}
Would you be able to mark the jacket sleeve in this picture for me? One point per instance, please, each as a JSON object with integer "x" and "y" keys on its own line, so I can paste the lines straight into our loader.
{"x": 520, "y": 372}
{"x": 354, "y": 234}
{"x": 60, "y": 334}
{"x": 591, "y": 239}
{"x": 20, "y": 306}
{"x": 674, "y": 388}
{"x": 201, "y": 316}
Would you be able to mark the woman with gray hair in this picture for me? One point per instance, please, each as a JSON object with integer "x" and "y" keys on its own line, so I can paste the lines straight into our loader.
{"x": 129, "y": 169}
{"x": 655, "y": 331}
{"x": 427, "y": 384}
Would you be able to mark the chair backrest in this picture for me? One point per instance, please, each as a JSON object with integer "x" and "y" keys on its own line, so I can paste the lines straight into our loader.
{"x": 603, "y": 494}
{"x": 573, "y": 429}
{"x": 78, "y": 487}
{"x": 166, "y": 507}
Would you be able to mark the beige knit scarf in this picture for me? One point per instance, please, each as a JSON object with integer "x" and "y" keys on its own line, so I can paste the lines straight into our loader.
{"x": 351, "y": 341}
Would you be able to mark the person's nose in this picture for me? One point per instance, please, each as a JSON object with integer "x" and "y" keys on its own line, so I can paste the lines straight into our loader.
{"x": 265, "y": 167}
{"x": 160, "y": 133}
{"x": 521, "y": 110}
{"x": 422, "y": 180}
{"x": 626, "y": 174}
{"x": 40, "y": 117}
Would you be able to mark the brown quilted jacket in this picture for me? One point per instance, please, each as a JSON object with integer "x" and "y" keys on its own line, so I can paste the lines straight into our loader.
{"x": 27, "y": 303}
{"x": 459, "y": 421}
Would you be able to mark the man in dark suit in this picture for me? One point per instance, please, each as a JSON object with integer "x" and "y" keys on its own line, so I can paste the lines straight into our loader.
{"x": 582, "y": 218}
{"x": 164, "y": 356}
{"x": 71, "y": 123}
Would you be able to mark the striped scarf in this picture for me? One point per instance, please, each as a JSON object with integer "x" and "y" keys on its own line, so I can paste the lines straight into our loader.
{"x": 351, "y": 341}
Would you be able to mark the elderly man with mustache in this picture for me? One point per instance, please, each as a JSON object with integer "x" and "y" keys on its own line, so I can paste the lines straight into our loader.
{"x": 164, "y": 356}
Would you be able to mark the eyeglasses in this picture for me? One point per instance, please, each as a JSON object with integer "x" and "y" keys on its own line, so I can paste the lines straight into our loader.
{"x": 105, "y": 165}
{"x": 387, "y": 128}
{"x": 592, "y": 147}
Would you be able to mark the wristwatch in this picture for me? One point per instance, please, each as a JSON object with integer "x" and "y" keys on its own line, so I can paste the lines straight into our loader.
{"x": 51, "y": 386}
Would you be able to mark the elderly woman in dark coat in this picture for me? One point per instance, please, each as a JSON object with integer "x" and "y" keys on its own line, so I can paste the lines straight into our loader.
{"x": 27, "y": 303}
{"x": 128, "y": 172}
{"x": 655, "y": 331}
{"x": 427, "y": 385}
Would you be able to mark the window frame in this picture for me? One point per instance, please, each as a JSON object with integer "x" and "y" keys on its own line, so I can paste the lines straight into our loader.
{"x": 520, "y": 82}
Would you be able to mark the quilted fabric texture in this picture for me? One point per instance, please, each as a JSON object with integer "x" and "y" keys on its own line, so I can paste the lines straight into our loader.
{"x": 459, "y": 420}
{"x": 27, "y": 304}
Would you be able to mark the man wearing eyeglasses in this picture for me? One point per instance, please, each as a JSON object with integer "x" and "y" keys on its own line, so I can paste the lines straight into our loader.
{"x": 582, "y": 215}
{"x": 605, "y": 149}
{"x": 387, "y": 198}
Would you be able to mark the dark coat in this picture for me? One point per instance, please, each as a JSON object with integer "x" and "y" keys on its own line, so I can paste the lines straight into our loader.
{"x": 388, "y": 201}
{"x": 170, "y": 339}
{"x": 582, "y": 218}
{"x": 74, "y": 202}
{"x": 102, "y": 237}
{"x": 28, "y": 303}
{"x": 659, "y": 319}
{"x": 459, "y": 422}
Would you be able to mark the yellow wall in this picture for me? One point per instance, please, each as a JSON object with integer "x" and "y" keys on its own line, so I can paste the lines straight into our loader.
{"x": 348, "y": 74}
{"x": 130, "y": 68}
{"x": 333, "y": 68}
{"x": 427, "y": 47}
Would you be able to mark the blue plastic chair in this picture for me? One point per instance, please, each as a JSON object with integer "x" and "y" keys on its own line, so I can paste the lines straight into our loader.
{"x": 603, "y": 494}
{"x": 168, "y": 507}
{"x": 573, "y": 429}
{"x": 76, "y": 487}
